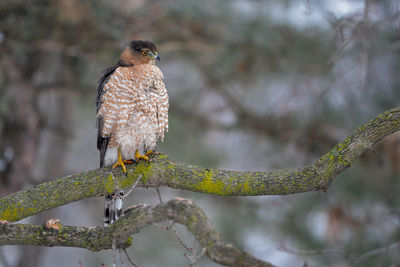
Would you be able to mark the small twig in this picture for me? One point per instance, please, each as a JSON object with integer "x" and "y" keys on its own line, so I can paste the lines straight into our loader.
{"x": 133, "y": 187}
{"x": 308, "y": 252}
{"x": 80, "y": 264}
{"x": 159, "y": 194}
{"x": 180, "y": 239}
{"x": 114, "y": 248}
{"x": 172, "y": 227}
{"x": 352, "y": 259}
{"x": 120, "y": 258}
{"x": 194, "y": 258}
{"x": 129, "y": 259}
{"x": 130, "y": 190}
{"x": 190, "y": 257}
{"x": 201, "y": 254}
{"x": 374, "y": 252}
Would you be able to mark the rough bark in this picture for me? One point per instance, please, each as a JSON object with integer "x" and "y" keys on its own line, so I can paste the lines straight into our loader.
{"x": 98, "y": 238}
{"x": 161, "y": 171}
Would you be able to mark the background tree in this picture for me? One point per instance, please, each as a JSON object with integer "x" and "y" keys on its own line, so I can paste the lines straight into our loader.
{"x": 254, "y": 85}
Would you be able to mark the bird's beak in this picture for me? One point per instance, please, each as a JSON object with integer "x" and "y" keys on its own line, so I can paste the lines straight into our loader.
{"x": 157, "y": 57}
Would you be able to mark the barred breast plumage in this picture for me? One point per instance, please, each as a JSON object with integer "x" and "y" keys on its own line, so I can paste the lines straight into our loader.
{"x": 132, "y": 113}
{"x": 134, "y": 110}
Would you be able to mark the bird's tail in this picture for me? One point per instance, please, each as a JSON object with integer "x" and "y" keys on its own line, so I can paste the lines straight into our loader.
{"x": 113, "y": 207}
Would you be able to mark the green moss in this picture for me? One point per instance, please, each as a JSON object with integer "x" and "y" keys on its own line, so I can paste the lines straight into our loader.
{"x": 246, "y": 187}
{"x": 162, "y": 156}
{"x": 10, "y": 213}
{"x": 109, "y": 184}
{"x": 144, "y": 170}
{"x": 211, "y": 186}
{"x": 129, "y": 242}
{"x": 170, "y": 166}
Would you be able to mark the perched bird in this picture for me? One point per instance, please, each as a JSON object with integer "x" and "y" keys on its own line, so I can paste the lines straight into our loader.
{"x": 132, "y": 113}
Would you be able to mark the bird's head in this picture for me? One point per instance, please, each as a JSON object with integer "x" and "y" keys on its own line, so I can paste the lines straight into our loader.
{"x": 140, "y": 52}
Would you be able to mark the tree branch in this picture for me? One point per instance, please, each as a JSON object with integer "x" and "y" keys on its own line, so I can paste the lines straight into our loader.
{"x": 98, "y": 238}
{"x": 161, "y": 171}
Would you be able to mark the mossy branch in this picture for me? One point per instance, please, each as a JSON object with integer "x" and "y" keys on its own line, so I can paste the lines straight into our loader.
{"x": 161, "y": 171}
{"x": 177, "y": 210}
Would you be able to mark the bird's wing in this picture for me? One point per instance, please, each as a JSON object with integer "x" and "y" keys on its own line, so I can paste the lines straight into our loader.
{"x": 102, "y": 141}
{"x": 103, "y": 80}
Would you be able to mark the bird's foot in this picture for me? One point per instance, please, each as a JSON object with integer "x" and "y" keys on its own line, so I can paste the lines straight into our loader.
{"x": 121, "y": 163}
{"x": 138, "y": 156}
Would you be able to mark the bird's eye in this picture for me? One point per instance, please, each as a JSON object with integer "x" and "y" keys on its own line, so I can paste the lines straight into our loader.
{"x": 145, "y": 53}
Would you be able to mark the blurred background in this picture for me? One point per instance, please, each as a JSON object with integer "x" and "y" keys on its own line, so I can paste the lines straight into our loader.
{"x": 253, "y": 85}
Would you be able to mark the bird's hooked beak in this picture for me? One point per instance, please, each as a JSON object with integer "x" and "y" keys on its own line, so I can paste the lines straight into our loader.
{"x": 153, "y": 55}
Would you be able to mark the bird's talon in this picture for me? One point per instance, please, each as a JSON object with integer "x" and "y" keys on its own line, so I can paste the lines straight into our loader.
{"x": 121, "y": 162}
{"x": 148, "y": 153}
{"x": 138, "y": 156}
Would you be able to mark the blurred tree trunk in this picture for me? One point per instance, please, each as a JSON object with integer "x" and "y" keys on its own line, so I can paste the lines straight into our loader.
{"x": 21, "y": 131}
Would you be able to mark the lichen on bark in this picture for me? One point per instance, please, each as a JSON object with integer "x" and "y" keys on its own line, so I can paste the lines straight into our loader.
{"x": 161, "y": 171}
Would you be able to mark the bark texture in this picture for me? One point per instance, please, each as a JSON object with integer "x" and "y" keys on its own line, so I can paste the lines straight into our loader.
{"x": 161, "y": 171}
{"x": 178, "y": 210}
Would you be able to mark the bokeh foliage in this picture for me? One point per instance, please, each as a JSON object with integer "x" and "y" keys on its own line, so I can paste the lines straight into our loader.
{"x": 253, "y": 85}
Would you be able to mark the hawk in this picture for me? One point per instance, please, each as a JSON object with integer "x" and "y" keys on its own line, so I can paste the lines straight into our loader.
{"x": 132, "y": 113}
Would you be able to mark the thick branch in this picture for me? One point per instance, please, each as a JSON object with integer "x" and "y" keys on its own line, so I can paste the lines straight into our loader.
{"x": 98, "y": 238}
{"x": 163, "y": 172}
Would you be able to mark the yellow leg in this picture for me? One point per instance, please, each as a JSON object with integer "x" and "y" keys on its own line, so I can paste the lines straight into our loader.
{"x": 121, "y": 162}
{"x": 145, "y": 156}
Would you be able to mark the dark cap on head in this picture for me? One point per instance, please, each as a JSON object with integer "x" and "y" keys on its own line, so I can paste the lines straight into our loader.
{"x": 138, "y": 45}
